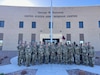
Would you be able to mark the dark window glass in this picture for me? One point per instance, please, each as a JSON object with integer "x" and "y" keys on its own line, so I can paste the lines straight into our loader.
{"x": 33, "y": 37}
{"x": 68, "y": 25}
{"x": 81, "y": 37}
{"x": 1, "y": 23}
{"x": 68, "y": 37}
{"x": 21, "y": 24}
{"x": 99, "y": 23}
{"x": 33, "y": 24}
{"x": 20, "y": 38}
{"x": 80, "y": 24}
{"x": 50, "y": 25}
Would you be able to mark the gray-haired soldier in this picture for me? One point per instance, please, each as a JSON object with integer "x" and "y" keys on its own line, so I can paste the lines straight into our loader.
{"x": 91, "y": 56}
{"x": 28, "y": 53}
{"x": 20, "y": 54}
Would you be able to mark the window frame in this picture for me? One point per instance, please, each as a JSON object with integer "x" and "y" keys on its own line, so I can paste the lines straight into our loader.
{"x": 81, "y": 24}
{"x": 21, "y": 24}
{"x": 68, "y": 24}
{"x": 2, "y": 24}
{"x": 99, "y": 24}
{"x": 20, "y": 37}
{"x": 34, "y": 24}
{"x": 50, "y": 25}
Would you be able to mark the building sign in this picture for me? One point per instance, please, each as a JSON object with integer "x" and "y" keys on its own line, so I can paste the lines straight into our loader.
{"x": 43, "y": 14}
{"x": 50, "y": 12}
{"x": 69, "y": 16}
{"x": 28, "y": 16}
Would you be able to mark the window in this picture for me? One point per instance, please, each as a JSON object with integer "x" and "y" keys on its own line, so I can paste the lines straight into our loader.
{"x": 21, "y": 24}
{"x": 33, "y": 24}
{"x": 20, "y": 38}
{"x": 68, "y": 39}
{"x": 80, "y": 24}
{"x": 1, "y": 41}
{"x": 99, "y": 23}
{"x": 1, "y": 23}
{"x": 68, "y": 25}
{"x": 33, "y": 37}
{"x": 50, "y": 24}
{"x": 81, "y": 36}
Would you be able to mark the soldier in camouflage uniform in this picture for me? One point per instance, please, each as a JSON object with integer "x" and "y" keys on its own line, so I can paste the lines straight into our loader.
{"x": 34, "y": 54}
{"x": 28, "y": 53}
{"x": 46, "y": 53}
{"x": 70, "y": 54}
{"x": 52, "y": 53}
{"x": 59, "y": 53}
{"x": 40, "y": 54}
{"x": 65, "y": 54}
{"x": 24, "y": 57}
{"x": 74, "y": 45}
{"x": 85, "y": 54}
{"x": 81, "y": 60}
{"x": 20, "y": 54}
{"x": 91, "y": 56}
{"x": 77, "y": 54}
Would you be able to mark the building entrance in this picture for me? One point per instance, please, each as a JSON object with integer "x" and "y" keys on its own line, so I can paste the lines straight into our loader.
{"x": 46, "y": 37}
{"x": 56, "y": 40}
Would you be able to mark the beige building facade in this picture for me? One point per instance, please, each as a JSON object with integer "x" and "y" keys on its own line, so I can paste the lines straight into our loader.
{"x": 79, "y": 24}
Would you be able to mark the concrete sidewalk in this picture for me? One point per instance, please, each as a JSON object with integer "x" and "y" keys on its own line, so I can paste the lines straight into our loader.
{"x": 48, "y": 69}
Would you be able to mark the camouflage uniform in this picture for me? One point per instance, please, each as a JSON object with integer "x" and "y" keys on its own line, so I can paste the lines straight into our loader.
{"x": 20, "y": 54}
{"x": 70, "y": 54}
{"x": 85, "y": 55}
{"x": 52, "y": 53}
{"x": 65, "y": 54}
{"x": 28, "y": 53}
{"x": 40, "y": 54}
{"x": 46, "y": 53}
{"x": 34, "y": 54}
{"x": 59, "y": 53}
{"x": 77, "y": 55}
{"x": 81, "y": 60}
{"x": 91, "y": 56}
{"x": 24, "y": 57}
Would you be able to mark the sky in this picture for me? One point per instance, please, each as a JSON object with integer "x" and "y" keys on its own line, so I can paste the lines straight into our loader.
{"x": 46, "y": 3}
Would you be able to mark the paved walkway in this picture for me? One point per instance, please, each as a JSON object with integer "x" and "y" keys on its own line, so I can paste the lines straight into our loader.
{"x": 48, "y": 69}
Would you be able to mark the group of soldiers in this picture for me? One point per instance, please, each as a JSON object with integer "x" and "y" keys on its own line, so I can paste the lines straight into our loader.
{"x": 55, "y": 53}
